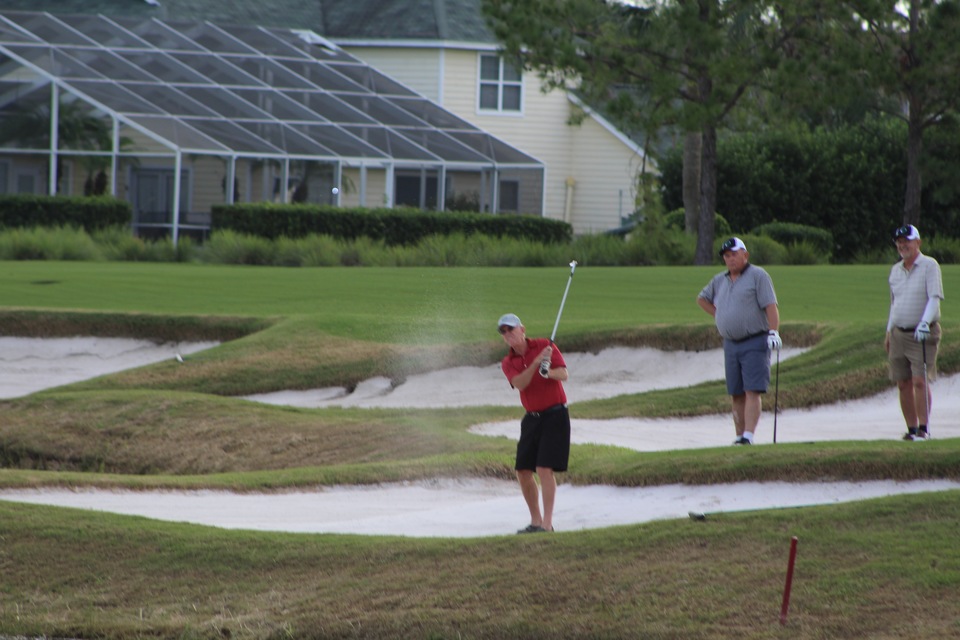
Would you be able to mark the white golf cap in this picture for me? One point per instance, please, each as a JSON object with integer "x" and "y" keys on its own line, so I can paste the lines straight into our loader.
{"x": 907, "y": 232}
{"x": 508, "y": 320}
{"x": 733, "y": 244}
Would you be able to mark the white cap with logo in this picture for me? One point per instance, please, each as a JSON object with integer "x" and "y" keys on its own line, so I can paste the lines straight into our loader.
{"x": 733, "y": 244}
{"x": 907, "y": 232}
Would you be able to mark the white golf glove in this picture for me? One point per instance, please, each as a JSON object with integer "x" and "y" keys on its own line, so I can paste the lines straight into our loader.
{"x": 922, "y": 332}
{"x": 773, "y": 341}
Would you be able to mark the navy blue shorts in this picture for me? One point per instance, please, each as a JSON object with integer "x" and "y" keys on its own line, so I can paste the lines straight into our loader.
{"x": 544, "y": 441}
{"x": 747, "y": 365}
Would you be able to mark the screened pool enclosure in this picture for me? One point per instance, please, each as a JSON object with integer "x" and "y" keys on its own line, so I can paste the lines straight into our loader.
{"x": 176, "y": 117}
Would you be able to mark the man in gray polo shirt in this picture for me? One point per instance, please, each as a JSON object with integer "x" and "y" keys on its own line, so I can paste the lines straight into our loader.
{"x": 913, "y": 329}
{"x": 744, "y": 305}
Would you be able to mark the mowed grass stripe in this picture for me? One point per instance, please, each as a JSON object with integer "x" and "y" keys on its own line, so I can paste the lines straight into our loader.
{"x": 437, "y": 304}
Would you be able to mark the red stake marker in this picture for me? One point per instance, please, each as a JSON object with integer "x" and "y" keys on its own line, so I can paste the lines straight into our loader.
{"x": 786, "y": 589}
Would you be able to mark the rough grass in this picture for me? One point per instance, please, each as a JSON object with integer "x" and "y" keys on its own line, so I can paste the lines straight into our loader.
{"x": 82, "y": 573}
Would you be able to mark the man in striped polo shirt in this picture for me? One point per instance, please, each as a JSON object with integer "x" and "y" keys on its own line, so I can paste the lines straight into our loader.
{"x": 913, "y": 329}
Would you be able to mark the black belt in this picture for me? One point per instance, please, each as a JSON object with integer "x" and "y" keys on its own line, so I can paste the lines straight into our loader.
{"x": 912, "y": 329}
{"x": 555, "y": 407}
{"x": 750, "y": 337}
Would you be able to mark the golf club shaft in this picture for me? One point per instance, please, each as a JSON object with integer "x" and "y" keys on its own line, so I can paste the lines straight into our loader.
{"x": 545, "y": 366}
{"x": 776, "y": 399}
{"x": 926, "y": 384}
{"x": 563, "y": 301}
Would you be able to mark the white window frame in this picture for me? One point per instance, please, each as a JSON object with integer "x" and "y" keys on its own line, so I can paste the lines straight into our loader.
{"x": 499, "y": 83}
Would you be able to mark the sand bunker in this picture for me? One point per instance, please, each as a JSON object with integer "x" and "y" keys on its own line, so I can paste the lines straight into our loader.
{"x": 472, "y": 507}
{"x": 612, "y": 372}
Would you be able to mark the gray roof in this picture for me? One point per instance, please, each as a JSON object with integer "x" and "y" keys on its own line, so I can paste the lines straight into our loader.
{"x": 303, "y": 14}
{"x": 447, "y": 20}
{"x": 233, "y": 90}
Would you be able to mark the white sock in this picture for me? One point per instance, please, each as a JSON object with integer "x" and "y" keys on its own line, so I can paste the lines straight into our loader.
{"x": 748, "y": 435}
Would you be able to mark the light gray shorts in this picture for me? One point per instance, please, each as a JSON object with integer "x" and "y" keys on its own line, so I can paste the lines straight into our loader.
{"x": 747, "y": 365}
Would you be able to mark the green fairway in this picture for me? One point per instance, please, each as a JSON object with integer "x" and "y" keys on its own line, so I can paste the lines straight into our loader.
{"x": 68, "y": 573}
{"x": 435, "y": 304}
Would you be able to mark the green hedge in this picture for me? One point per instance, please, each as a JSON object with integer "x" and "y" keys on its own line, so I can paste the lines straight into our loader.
{"x": 677, "y": 219}
{"x": 848, "y": 181}
{"x": 788, "y": 233}
{"x": 400, "y": 226}
{"x": 89, "y": 214}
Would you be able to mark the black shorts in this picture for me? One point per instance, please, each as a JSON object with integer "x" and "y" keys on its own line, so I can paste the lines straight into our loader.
{"x": 544, "y": 441}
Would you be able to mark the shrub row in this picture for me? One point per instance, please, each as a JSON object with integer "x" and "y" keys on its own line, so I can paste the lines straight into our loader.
{"x": 399, "y": 226}
{"x": 18, "y": 211}
{"x": 676, "y": 219}
{"x": 650, "y": 245}
{"x": 791, "y": 233}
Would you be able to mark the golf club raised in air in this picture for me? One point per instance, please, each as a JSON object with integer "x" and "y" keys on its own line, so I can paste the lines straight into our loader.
{"x": 545, "y": 366}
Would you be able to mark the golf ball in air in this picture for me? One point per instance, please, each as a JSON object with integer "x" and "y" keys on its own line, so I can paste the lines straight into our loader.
{"x": 335, "y": 191}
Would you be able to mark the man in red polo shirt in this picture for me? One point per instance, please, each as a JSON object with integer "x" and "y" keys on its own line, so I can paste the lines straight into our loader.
{"x": 544, "y": 446}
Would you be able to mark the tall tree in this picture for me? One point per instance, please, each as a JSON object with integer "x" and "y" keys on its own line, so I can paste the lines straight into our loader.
{"x": 896, "y": 57}
{"x": 684, "y": 64}
{"x": 917, "y": 43}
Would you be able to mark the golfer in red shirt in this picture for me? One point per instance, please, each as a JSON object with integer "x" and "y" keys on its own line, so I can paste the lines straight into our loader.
{"x": 544, "y": 446}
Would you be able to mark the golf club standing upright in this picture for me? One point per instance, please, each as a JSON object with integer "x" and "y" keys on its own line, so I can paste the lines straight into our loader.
{"x": 776, "y": 398}
{"x": 545, "y": 366}
{"x": 926, "y": 383}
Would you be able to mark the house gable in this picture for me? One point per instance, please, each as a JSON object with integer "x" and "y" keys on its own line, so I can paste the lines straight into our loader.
{"x": 591, "y": 166}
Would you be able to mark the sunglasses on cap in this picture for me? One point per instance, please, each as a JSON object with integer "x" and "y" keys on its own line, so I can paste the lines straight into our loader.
{"x": 906, "y": 231}
{"x": 732, "y": 244}
{"x": 506, "y": 329}
{"x": 728, "y": 245}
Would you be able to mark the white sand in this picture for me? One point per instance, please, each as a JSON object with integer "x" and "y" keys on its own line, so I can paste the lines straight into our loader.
{"x": 458, "y": 508}
{"x": 471, "y": 507}
{"x": 612, "y": 372}
{"x": 28, "y": 365}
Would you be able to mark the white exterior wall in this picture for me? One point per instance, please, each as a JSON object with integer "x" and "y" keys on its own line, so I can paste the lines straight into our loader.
{"x": 601, "y": 166}
{"x": 542, "y": 135}
{"x": 418, "y": 69}
{"x": 606, "y": 171}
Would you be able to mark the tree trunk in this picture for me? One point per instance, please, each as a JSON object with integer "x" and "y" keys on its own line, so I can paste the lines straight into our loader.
{"x": 691, "y": 181}
{"x": 911, "y": 201}
{"x": 708, "y": 196}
